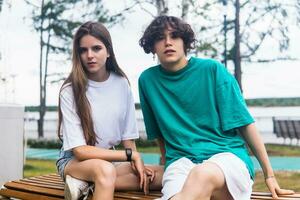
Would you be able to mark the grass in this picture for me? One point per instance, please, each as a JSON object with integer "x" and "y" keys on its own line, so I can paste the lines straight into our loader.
{"x": 34, "y": 167}
{"x": 286, "y": 180}
{"x": 282, "y": 150}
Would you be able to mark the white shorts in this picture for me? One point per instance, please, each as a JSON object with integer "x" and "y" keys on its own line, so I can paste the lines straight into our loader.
{"x": 237, "y": 177}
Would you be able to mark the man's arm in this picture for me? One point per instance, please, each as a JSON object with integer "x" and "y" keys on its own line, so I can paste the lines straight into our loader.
{"x": 161, "y": 144}
{"x": 254, "y": 140}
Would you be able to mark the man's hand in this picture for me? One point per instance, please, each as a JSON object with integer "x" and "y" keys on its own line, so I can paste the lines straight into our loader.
{"x": 138, "y": 167}
{"x": 274, "y": 188}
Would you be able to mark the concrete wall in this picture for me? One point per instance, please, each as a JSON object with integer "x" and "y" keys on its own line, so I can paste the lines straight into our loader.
{"x": 11, "y": 142}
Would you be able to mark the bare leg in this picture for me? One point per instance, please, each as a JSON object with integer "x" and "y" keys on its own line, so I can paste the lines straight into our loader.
{"x": 101, "y": 172}
{"x": 205, "y": 181}
{"x": 128, "y": 180}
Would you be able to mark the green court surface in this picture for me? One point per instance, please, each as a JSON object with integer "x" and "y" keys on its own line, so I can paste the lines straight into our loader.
{"x": 278, "y": 163}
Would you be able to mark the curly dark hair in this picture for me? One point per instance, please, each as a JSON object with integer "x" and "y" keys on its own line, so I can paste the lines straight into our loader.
{"x": 156, "y": 30}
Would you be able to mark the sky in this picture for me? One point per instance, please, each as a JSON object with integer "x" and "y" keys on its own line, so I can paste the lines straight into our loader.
{"x": 19, "y": 63}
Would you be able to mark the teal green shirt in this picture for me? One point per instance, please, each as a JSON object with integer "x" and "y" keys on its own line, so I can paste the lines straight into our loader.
{"x": 196, "y": 110}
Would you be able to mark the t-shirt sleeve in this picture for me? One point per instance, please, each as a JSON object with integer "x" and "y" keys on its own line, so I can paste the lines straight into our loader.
{"x": 130, "y": 126}
{"x": 231, "y": 105}
{"x": 152, "y": 129}
{"x": 71, "y": 125}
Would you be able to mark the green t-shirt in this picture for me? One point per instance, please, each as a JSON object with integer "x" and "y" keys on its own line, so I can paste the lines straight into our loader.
{"x": 196, "y": 110}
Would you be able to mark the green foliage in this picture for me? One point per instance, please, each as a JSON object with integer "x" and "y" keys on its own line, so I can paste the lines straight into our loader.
{"x": 145, "y": 143}
{"x": 276, "y": 16}
{"x": 268, "y": 102}
{"x": 36, "y": 108}
{"x": 263, "y": 102}
{"x": 56, "y": 143}
{"x": 44, "y": 143}
{"x": 56, "y": 20}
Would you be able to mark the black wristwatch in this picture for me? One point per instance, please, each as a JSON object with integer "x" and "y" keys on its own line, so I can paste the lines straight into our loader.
{"x": 128, "y": 152}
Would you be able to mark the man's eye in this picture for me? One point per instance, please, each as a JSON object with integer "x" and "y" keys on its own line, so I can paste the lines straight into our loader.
{"x": 175, "y": 35}
{"x": 160, "y": 37}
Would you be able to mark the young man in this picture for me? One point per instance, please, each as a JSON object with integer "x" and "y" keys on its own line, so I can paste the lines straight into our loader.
{"x": 194, "y": 108}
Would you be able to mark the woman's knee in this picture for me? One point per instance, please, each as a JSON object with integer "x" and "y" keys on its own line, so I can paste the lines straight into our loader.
{"x": 104, "y": 173}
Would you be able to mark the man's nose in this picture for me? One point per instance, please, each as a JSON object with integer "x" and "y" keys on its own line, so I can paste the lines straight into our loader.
{"x": 168, "y": 40}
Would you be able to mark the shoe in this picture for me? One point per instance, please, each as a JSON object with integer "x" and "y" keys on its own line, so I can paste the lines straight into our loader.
{"x": 74, "y": 188}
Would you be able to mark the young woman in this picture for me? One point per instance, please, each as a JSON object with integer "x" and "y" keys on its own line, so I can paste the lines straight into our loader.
{"x": 96, "y": 112}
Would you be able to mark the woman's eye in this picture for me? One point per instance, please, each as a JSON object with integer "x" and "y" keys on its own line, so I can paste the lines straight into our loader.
{"x": 97, "y": 48}
{"x": 82, "y": 50}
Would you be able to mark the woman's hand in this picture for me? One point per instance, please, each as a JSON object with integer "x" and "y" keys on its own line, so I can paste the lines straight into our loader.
{"x": 139, "y": 168}
{"x": 274, "y": 188}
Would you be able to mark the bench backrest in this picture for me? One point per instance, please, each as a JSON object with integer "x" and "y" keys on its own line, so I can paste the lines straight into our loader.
{"x": 286, "y": 128}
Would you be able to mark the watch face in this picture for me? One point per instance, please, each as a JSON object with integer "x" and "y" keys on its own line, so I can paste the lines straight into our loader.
{"x": 128, "y": 152}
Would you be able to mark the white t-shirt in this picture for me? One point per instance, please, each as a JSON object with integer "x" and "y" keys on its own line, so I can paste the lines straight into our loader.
{"x": 112, "y": 110}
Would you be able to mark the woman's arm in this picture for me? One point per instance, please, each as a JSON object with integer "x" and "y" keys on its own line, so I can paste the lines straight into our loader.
{"x": 91, "y": 152}
{"x": 129, "y": 144}
{"x": 254, "y": 140}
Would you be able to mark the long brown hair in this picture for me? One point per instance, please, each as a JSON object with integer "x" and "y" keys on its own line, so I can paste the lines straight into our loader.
{"x": 78, "y": 77}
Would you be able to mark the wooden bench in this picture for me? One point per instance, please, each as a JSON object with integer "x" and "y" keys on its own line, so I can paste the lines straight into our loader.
{"x": 287, "y": 128}
{"x": 51, "y": 187}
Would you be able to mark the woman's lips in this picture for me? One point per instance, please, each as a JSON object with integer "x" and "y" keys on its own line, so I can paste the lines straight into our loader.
{"x": 91, "y": 64}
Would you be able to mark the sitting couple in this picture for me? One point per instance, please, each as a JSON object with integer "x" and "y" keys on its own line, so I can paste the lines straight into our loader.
{"x": 192, "y": 107}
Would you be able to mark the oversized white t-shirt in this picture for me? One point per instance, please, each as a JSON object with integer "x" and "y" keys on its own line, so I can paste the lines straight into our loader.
{"x": 112, "y": 110}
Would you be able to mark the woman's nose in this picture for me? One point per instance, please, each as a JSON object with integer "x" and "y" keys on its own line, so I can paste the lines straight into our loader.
{"x": 89, "y": 53}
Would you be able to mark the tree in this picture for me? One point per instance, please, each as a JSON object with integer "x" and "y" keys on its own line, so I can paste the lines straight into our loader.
{"x": 160, "y": 6}
{"x": 1, "y": 3}
{"x": 259, "y": 24}
{"x": 55, "y": 21}
{"x": 250, "y": 25}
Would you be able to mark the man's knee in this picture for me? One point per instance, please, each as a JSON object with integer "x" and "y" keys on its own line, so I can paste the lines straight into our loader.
{"x": 208, "y": 175}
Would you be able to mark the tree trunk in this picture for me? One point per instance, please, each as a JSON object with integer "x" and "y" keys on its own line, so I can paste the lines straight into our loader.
{"x": 162, "y": 7}
{"x": 42, "y": 95}
{"x": 185, "y": 9}
{"x": 237, "y": 56}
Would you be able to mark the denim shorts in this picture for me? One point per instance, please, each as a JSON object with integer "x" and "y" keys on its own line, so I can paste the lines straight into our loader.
{"x": 63, "y": 159}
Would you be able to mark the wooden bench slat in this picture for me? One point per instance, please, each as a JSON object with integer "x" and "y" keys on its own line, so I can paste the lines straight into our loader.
{"x": 34, "y": 189}
{"x": 25, "y": 195}
{"x": 38, "y": 184}
{"x": 42, "y": 182}
{"x": 296, "y": 195}
{"x": 46, "y": 188}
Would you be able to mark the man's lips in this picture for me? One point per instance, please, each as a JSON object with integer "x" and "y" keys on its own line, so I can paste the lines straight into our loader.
{"x": 169, "y": 51}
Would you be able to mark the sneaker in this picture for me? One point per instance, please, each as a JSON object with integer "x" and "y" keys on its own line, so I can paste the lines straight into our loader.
{"x": 74, "y": 188}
